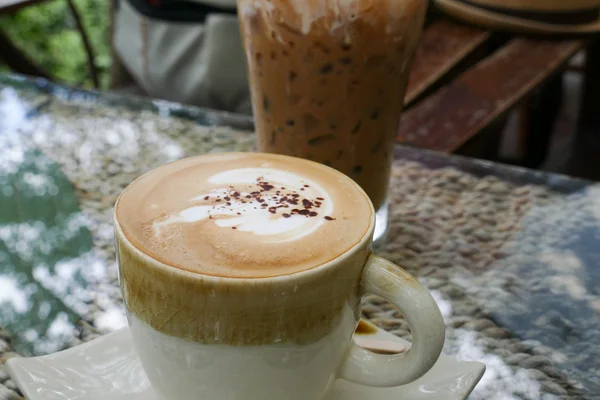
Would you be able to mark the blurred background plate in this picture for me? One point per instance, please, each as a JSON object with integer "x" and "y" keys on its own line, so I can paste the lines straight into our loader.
{"x": 574, "y": 23}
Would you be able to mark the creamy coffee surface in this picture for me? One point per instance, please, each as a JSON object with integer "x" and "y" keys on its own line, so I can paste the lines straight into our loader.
{"x": 243, "y": 215}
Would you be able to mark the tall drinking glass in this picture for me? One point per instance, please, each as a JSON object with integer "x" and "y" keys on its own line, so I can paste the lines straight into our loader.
{"x": 328, "y": 79}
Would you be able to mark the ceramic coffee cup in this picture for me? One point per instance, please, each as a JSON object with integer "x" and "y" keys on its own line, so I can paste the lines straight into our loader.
{"x": 229, "y": 298}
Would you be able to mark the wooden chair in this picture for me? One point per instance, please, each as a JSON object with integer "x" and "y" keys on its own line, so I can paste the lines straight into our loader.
{"x": 465, "y": 80}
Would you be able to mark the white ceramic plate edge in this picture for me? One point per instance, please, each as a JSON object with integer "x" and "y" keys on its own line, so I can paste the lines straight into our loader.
{"x": 62, "y": 370}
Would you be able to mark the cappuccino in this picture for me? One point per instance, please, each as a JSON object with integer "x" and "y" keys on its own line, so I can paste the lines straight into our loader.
{"x": 242, "y": 275}
{"x": 243, "y": 215}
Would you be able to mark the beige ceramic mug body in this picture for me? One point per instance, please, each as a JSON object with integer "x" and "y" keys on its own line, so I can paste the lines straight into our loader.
{"x": 286, "y": 337}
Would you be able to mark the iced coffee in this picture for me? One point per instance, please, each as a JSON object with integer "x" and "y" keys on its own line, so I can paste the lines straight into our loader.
{"x": 328, "y": 79}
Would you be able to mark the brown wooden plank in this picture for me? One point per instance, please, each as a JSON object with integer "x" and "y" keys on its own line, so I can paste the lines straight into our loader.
{"x": 443, "y": 45}
{"x": 10, "y": 6}
{"x": 456, "y": 113}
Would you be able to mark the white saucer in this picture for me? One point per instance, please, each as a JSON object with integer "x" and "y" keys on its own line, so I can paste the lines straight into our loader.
{"x": 108, "y": 368}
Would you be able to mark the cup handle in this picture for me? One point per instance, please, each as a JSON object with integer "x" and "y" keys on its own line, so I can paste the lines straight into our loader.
{"x": 394, "y": 284}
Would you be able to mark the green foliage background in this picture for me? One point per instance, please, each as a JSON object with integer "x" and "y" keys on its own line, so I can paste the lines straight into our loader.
{"x": 47, "y": 33}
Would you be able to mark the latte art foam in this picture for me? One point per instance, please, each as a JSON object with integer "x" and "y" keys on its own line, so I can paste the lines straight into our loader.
{"x": 244, "y": 215}
{"x": 275, "y": 205}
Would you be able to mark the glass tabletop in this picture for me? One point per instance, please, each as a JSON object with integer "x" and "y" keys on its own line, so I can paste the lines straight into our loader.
{"x": 510, "y": 254}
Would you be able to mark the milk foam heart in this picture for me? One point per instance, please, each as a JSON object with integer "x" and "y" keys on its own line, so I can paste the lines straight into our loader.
{"x": 244, "y": 215}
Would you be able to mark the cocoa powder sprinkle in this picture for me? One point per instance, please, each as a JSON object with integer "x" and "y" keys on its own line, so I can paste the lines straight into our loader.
{"x": 281, "y": 198}
{"x": 266, "y": 187}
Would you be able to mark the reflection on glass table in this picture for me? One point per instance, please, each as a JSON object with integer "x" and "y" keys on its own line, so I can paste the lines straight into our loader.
{"x": 45, "y": 251}
{"x": 511, "y": 255}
